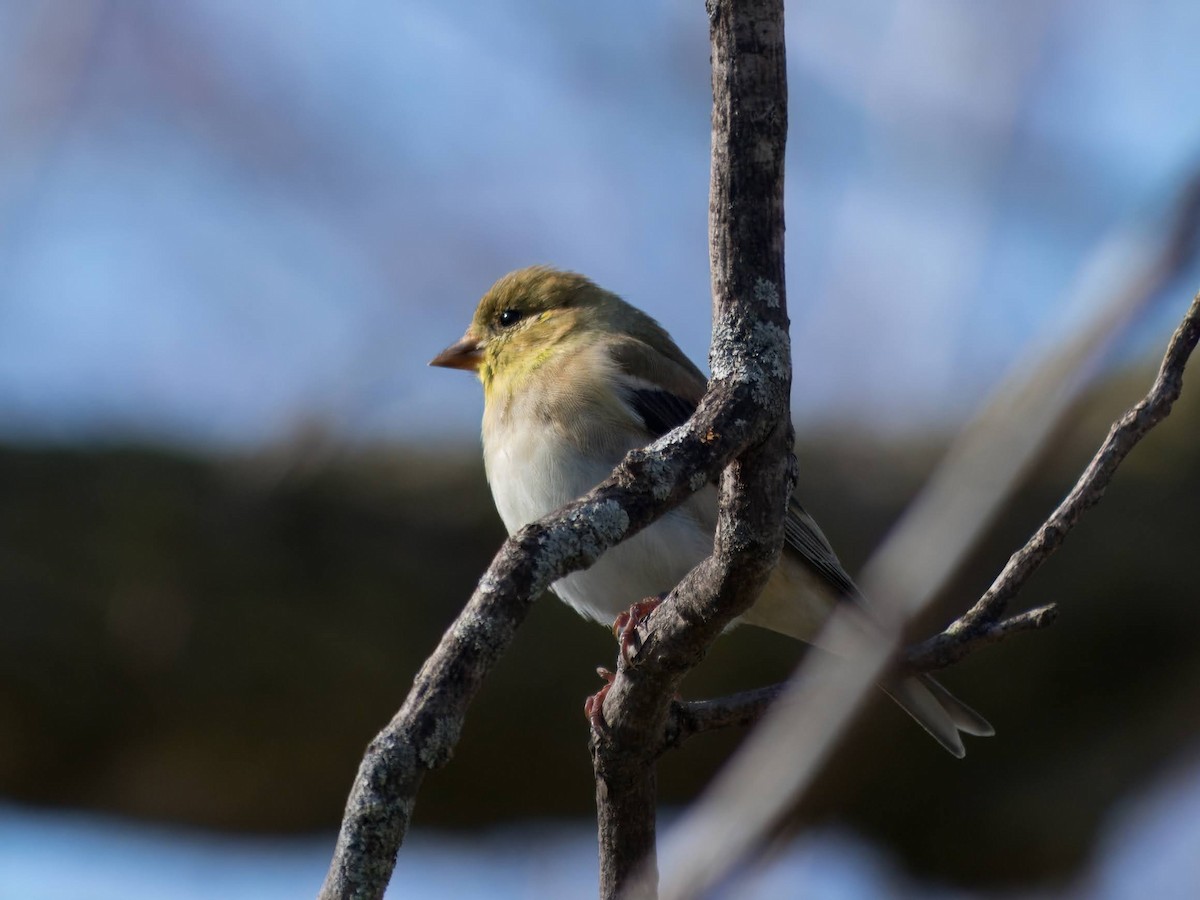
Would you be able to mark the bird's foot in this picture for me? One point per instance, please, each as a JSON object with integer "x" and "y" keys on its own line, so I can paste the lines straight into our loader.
{"x": 593, "y": 706}
{"x": 625, "y": 626}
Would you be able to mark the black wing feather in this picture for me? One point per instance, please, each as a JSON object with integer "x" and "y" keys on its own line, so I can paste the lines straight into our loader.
{"x": 659, "y": 410}
{"x": 801, "y": 534}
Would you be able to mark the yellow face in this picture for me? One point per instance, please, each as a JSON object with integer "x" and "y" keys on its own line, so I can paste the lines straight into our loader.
{"x": 534, "y": 316}
{"x": 524, "y": 319}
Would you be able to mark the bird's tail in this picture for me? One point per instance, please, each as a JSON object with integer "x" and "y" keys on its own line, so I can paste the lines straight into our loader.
{"x": 938, "y": 711}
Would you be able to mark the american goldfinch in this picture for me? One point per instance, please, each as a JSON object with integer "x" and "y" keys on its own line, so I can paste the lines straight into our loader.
{"x": 573, "y": 378}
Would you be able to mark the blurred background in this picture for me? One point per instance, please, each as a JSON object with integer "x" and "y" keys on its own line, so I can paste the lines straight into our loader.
{"x": 237, "y": 510}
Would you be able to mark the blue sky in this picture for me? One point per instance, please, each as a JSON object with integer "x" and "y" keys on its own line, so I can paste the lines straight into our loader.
{"x": 224, "y": 223}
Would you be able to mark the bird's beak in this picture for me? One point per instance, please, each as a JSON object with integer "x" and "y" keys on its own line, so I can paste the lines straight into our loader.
{"x": 466, "y": 354}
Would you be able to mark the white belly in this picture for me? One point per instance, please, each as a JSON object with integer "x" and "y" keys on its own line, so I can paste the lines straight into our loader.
{"x": 529, "y": 479}
{"x": 652, "y": 561}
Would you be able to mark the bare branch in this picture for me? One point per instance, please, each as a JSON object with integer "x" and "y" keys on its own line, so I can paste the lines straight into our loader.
{"x": 749, "y": 128}
{"x": 689, "y": 718}
{"x": 952, "y": 645}
{"x": 424, "y": 732}
{"x": 742, "y": 417}
{"x": 1123, "y": 436}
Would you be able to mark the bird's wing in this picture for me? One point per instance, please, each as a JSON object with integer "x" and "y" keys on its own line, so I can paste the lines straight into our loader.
{"x": 662, "y": 391}
{"x": 663, "y": 394}
{"x": 659, "y": 410}
{"x": 802, "y": 534}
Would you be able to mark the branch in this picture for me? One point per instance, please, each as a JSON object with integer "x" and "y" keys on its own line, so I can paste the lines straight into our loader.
{"x": 749, "y": 128}
{"x": 978, "y": 627}
{"x": 955, "y": 643}
{"x": 1124, "y": 435}
{"x": 689, "y": 718}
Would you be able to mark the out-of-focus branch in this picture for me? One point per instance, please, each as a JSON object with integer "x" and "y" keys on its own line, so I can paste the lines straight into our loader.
{"x": 778, "y": 762}
{"x": 977, "y": 628}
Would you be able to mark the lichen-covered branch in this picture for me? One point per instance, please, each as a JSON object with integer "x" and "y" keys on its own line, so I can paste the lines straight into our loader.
{"x": 749, "y": 129}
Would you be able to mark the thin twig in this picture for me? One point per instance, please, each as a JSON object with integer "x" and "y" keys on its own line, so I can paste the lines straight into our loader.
{"x": 691, "y": 717}
{"x": 953, "y": 645}
{"x": 1124, "y": 435}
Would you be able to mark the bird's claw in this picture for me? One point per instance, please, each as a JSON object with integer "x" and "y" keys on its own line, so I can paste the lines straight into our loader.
{"x": 593, "y": 706}
{"x": 625, "y": 630}
{"x": 625, "y": 626}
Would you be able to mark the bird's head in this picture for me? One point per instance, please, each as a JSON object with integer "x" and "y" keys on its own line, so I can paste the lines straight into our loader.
{"x": 531, "y": 316}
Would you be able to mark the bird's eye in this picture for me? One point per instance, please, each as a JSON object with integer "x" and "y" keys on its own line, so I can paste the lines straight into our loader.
{"x": 509, "y": 318}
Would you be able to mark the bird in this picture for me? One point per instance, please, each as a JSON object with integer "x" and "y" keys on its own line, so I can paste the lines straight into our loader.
{"x": 574, "y": 378}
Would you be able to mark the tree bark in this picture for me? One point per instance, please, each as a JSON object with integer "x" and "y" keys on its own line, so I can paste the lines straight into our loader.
{"x": 750, "y": 350}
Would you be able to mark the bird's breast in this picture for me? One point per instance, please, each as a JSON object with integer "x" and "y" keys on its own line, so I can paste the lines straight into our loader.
{"x": 535, "y": 470}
